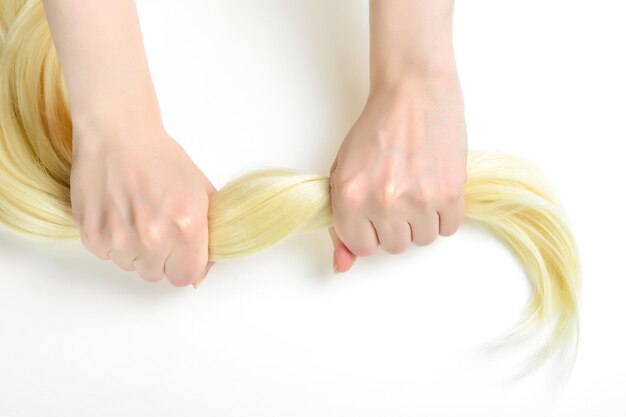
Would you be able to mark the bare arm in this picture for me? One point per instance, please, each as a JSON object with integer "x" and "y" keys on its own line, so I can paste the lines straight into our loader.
{"x": 400, "y": 172}
{"x": 101, "y": 50}
{"x": 137, "y": 196}
{"x": 410, "y": 39}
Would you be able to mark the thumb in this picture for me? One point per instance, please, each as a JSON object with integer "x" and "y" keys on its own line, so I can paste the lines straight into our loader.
{"x": 343, "y": 259}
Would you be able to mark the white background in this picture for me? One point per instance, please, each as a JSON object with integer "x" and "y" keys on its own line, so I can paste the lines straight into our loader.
{"x": 249, "y": 84}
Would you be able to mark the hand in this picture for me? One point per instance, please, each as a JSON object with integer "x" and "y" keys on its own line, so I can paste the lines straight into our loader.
{"x": 140, "y": 201}
{"x": 400, "y": 172}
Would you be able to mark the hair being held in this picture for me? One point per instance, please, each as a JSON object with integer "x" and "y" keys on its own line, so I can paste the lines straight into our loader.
{"x": 503, "y": 194}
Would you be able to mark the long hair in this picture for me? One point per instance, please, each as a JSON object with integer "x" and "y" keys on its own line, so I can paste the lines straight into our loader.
{"x": 504, "y": 194}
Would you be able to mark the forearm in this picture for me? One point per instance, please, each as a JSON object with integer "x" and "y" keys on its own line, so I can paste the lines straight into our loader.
{"x": 101, "y": 51}
{"x": 410, "y": 39}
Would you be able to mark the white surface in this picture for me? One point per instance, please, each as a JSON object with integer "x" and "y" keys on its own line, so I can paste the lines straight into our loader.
{"x": 247, "y": 84}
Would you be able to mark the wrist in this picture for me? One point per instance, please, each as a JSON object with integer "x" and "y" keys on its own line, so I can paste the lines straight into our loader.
{"x": 436, "y": 83}
{"x": 434, "y": 64}
{"x": 95, "y": 130}
{"x": 115, "y": 117}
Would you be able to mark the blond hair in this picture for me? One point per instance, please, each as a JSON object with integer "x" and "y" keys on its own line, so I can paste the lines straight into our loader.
{"x": 507, "y": 195}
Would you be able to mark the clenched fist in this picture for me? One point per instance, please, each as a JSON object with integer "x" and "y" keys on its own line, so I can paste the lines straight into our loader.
{"x": 399, "y": 175}
{"x": 140, "y": 201}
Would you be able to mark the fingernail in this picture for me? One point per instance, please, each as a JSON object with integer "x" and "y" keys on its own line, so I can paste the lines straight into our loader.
{"x": 197, "y": 282}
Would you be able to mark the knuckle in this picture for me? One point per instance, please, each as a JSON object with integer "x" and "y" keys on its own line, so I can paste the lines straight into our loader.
{"x": 188, "y": 221}
{"x": 351, "y": 194}
{"x": 348, "y": 190}
{"x": 423, "y": 193}
{"x": 151, "y": 233}
{"x": 386, "y": 199}
{"x": 450, "y": 195}
{"x": 452, "y": 191}
{"x": 351, "y": 197}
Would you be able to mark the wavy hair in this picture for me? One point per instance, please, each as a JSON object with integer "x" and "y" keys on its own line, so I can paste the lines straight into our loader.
{"x": 508, "y": 196}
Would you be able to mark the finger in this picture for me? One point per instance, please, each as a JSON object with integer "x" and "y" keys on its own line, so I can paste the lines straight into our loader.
{"x": 343, "y": 259}
{"x": 357, "y": 233}
{"x": 394, "y": 234}
{"x": 94, "y": 237}
{"x": 123, "y": 259}
{"x": 451, "y": 216}
{"x": 203, "y": 274}
{"x": 424, "y": 227}
{"x": 189, "y": 258}
{"x": 150, "y": 265}
{"x": 123, "y": 250}
{"x": 123, "y": 244}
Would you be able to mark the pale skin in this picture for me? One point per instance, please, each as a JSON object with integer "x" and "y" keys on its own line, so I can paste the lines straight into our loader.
{"x": 137, "y": 197}
{"x": 400, "y": 172}
{"x": 140, "y": 201}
